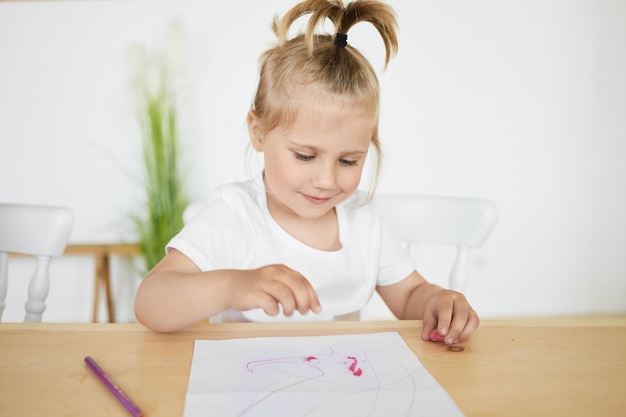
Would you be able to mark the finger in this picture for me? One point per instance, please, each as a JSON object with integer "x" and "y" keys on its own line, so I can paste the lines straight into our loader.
{"x": 305, "y": 296}
{"x": 283, "y": 295}
{"x": 444, "y": 309}
{"x": 460, "y": 318}
{"x": 307, "y": 299}
{"x": 429, "y": 322}
{"x": 268, "y": 304}
{"x": 470, "y": 327}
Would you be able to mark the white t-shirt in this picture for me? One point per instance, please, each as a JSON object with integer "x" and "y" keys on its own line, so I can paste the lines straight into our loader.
{"x": 235, "y": 230}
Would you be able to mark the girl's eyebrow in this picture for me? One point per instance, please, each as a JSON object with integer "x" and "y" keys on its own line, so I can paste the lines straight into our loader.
{"x": 318, "y": 150}
{"x": 302, "y": 145}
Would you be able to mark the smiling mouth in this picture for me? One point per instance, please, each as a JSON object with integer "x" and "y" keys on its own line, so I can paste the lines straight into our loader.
{"x": 316, "y": 200}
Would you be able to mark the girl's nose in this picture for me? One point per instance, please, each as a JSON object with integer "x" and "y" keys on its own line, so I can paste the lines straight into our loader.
{"x": 325, "y": 177}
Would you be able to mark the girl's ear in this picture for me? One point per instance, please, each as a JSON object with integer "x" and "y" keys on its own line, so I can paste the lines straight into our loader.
{"x": 255, "y": 131}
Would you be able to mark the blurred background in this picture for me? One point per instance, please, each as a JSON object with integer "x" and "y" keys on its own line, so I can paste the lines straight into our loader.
{"x": 520, "y": 102}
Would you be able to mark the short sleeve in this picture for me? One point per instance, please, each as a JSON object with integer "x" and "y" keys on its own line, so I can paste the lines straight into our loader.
{"x": 215, "y": 238}
{"x": 395, "y": 263}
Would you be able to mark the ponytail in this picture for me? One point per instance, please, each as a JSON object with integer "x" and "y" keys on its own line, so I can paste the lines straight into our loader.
{"x": 327, "y": 60}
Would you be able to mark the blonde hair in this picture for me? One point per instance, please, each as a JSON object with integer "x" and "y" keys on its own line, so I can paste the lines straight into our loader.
{"x": 312, "y": 58}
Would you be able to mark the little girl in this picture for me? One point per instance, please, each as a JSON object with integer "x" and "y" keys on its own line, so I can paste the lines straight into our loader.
{"x": 300, "y": 242}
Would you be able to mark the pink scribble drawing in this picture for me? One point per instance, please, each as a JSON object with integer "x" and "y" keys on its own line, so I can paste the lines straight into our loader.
{"x": 332, "y": 380}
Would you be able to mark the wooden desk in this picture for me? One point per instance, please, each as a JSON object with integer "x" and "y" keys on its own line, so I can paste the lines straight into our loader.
{"x": 555, "y": 367}
{"x": 102, "y": 259}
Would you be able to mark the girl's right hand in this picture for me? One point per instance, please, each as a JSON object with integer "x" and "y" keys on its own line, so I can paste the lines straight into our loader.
{"x": 270, "y": 286}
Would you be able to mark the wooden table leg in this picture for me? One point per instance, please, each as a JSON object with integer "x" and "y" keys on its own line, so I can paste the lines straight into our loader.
{"x": 102, "y": 256}
{"x": 96, "y": 299}
{"x": 102, "y": 278}
{"x": 106, "y": 281}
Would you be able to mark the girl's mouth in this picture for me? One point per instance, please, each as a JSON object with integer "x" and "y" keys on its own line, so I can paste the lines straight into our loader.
{"x": 316, "y": 200}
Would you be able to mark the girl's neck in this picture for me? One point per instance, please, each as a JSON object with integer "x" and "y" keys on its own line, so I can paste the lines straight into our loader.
{"x": 321, "y": 233}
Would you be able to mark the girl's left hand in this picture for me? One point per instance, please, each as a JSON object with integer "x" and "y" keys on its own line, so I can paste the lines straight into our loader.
{"x": 449, "y": 312}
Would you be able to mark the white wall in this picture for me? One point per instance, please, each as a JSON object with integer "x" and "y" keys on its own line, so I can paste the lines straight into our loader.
{"x": 520, "y": 102}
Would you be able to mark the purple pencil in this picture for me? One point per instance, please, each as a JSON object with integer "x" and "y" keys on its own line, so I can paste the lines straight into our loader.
{"x": 114, "y": 388}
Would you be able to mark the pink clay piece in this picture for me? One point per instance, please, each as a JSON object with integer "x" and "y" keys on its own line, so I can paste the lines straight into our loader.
{"x": 435, "y": 336}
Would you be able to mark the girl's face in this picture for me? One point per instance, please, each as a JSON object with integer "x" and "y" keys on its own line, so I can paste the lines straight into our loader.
{"x": 315, "y": 163}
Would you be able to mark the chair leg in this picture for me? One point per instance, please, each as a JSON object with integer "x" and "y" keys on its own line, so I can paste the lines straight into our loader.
{"x": 459, "y": 273}
{"x": 4, "y": 279}
{"x": 38, "y": 290}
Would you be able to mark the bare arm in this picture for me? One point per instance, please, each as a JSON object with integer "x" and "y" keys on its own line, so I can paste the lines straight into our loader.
{"x": 446, "y": 310}
{"x": 176, "y": 294}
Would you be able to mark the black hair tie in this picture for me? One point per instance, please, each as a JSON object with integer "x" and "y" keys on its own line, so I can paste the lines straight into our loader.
{"x": 341, "y": 40}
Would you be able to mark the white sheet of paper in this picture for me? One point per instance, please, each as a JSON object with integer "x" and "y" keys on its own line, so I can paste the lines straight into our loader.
{"x": 346, "y": 375}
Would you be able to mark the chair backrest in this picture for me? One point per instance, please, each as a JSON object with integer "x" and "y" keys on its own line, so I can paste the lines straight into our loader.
{"x": 36, "y": 230}
{"x": 462, "y": 222}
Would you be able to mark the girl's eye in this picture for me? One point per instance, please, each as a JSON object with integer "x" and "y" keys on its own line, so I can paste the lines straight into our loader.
{"x": 303, "y": 157}
{"x": 347, "y": 162}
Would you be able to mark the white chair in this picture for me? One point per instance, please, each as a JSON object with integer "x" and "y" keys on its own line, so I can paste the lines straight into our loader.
{"x": 465, "y": 223}
{"x": 41, "y": 231}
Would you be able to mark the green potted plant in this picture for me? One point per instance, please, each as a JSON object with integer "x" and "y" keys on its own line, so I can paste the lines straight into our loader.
{"x": 165, "y": 199}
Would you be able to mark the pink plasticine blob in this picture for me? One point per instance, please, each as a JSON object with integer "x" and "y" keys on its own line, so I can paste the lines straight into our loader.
{"x": 353, "y": 368}
{"x": 435, "y": 336}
